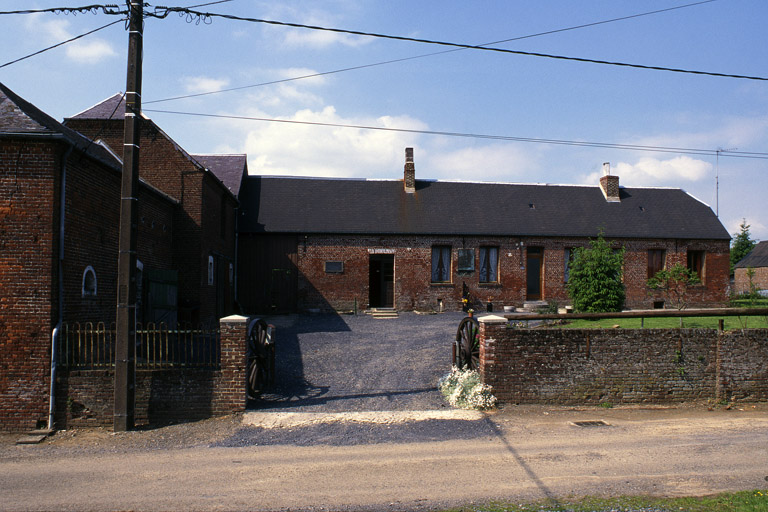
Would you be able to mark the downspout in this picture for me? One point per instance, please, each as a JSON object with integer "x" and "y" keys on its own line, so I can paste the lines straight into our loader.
{"x": 57, "y": 330}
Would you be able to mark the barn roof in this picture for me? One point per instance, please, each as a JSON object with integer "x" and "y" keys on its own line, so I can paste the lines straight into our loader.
{"x": 757, "y": 258}
{"x": 356, "y": 206}
{"x": 228, "y": 168}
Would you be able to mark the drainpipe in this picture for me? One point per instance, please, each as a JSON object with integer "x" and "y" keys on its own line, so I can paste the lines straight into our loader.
{"x": 57, "y": 330}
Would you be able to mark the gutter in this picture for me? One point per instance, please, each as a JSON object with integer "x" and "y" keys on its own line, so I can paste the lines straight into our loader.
{"x": 57, "y": 330}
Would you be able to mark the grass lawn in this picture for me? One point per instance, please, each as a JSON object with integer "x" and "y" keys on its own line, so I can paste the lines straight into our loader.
{"x": 746, "y": 501}
{"x": 731, "y": 322}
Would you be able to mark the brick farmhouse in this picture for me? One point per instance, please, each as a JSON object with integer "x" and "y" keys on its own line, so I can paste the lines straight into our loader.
{"x": 756, "y": 262}
{"x": 339, "y": 244}
{"x": 59, "y": 218}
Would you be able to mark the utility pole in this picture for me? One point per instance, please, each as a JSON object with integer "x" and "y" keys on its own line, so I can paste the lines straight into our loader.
{"x": 125, "y": 342}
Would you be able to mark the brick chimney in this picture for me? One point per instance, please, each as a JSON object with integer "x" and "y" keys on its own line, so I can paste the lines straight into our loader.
{"x": 409, "y": 177}
{"x": 609, "y": 184}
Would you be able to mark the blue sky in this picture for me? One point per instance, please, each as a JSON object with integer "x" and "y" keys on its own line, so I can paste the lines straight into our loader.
{"x": 467, "y": 91}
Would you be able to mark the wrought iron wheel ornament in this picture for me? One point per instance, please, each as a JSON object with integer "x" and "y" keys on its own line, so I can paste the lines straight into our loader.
{"x": 467, "y": 346}
{"x": 260, "y": 369}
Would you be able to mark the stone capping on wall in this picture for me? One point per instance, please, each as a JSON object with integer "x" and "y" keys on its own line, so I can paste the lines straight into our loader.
{"x": 85, "y": 397}
{"x": 594, "y": 366}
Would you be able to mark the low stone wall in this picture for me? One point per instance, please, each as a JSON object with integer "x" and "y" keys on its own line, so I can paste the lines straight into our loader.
{"x": 86, "y": 397}
{"x": 593, "y": 366}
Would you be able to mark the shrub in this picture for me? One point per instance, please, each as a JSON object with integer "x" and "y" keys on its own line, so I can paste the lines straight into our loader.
{"x": 594, "y": 282}
{"x": 462, "y": 388}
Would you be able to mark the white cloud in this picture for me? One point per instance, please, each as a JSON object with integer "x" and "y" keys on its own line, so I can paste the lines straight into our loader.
{"x": 306, "y": 150}
{"x": 200, "y": 84}
{"x": 649, "y": 171}
{"x": 321, "y": 38}
{"x": 503, "y": 162}
{"x": 89, "y": 49}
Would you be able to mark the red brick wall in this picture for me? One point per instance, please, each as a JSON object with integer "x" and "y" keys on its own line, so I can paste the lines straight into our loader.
{"x": 413, "y": 289}
{"x": 28, "y": 290}
{"x": 741, "y": 280}
{"x": 86, "y": 397}
{"x": 197, "y": 225}
{"x": 30, "y": 174}
{"x": 570, "y": 366}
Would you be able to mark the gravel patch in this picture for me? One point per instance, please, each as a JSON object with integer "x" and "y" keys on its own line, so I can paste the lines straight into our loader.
{"x": 341, "y": 363}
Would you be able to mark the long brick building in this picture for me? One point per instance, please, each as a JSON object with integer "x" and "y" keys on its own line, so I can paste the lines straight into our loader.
{"x": 337, "y": 244}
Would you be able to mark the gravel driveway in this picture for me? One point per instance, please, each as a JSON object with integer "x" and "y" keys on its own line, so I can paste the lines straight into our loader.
{"x": 342, "y": 363}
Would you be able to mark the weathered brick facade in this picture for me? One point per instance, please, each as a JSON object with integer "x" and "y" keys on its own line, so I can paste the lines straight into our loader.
{"x": 593, "y": 366}
{"x": 39, "y": 156}
{"x": 413, "y": 289}
{"x": 86, "y": 397}
{"x": 200, "y": 233}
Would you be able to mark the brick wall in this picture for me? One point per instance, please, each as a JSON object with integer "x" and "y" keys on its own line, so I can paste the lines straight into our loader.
{"x": 30, "y": 181}
{"x": 28, "y": 291}
{"x": 741, "y": 279}
{"x": 197, "y": 223}
{"x": 593, "y": 366}
{"x": 86, "y": 397}
{"x": 413, "y": 289}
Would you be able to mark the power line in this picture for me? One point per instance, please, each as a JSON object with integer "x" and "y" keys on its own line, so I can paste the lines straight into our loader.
{"x": 60, "y": 44}
{"x": 93, "y": 9}
{"x": 627, "y": 147}
{"x": 393, "y": 61}
{"x": 197, "y": 17}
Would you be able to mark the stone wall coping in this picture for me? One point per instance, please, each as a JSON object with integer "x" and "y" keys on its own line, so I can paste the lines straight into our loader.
{"x": 492, "y": 319}
{"x": 234, "y": 319}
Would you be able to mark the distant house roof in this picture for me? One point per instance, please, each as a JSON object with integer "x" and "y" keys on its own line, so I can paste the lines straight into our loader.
{"x": 353, "y": 206}
{"x": 20, "y": 118}
{"x": 757, "y": 258}
{"x": 228, "y": 168}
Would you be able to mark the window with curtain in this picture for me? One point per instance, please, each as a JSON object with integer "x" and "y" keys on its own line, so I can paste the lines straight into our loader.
{"x": 441, "y": 264}
{"x": 489, "y": 264}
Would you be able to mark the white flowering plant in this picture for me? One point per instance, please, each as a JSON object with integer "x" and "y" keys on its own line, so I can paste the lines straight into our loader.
{"x": 463, "y": 388}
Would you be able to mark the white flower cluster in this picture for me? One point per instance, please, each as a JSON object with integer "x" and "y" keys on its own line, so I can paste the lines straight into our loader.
{"x": 462, "y": 388}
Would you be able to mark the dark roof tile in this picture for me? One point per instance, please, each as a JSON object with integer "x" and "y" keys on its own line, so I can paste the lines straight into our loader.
{"x": 230, "y": 169}
{"x": 305, "y": 205}
{"x": 757, "y": 258}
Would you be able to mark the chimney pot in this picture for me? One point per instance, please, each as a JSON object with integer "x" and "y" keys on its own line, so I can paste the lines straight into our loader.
{"x": 409, "y": 176}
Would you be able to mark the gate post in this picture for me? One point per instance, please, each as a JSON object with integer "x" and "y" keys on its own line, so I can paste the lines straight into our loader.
{"x": 230, "y": 393}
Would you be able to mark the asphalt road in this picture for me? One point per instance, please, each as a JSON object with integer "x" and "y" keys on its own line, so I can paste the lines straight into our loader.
{"x": 528, "y": 453}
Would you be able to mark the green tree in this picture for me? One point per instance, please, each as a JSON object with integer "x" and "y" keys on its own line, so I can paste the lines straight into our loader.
{"x": 742, "y": 244}
{"x": 594, "y": 280}
{"x": 673, "y": 283}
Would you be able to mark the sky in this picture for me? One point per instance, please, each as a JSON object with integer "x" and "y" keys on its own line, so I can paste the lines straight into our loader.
{"x": 435, "y": 88}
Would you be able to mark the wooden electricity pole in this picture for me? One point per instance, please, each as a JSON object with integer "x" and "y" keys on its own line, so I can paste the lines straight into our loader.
{"x": 125, "y": 342}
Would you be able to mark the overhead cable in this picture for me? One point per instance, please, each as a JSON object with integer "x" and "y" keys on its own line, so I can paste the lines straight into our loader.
{"x": 60, "y": 44}
{"x": 627, "y": 147}
{"x": 403, "y": 59}
{"x": 206, "y": 18}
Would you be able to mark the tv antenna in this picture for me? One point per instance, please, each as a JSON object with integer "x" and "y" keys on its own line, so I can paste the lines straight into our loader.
{"x": 717, "y": 178}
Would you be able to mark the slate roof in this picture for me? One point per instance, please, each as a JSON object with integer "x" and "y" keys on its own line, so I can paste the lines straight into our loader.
{"x": 113, "y": 108}
{"x": 19, "y": 118}
{"x": 228, "y": 168}
{"x": 349, "y": 206}
{"x": 757, "y": 258}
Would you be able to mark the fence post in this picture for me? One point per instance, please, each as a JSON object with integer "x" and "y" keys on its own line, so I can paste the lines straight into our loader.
{"x": 230, "y": 394}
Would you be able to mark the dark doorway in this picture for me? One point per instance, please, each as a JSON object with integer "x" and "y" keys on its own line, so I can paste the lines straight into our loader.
{"x": 533, "y": 273}
{"x": 381, "y": 281}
